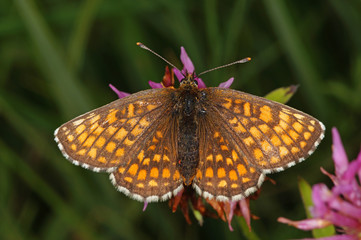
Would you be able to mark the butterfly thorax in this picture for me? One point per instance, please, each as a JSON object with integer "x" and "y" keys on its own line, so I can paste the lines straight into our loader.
{"x": 187, "y": 108}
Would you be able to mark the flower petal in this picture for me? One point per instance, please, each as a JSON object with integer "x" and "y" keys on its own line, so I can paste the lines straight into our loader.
{"x": 243, "y": 204}
{"x": 178, "y": 74}
{"x": 201, "y": 84}
{"x": 119, "y": 93}
{"x": 227, "y": 83}
{"x": 338, "y": 153}
{"x": 308, "y": 224}
{"x": 187, "y": 62}
{"x": 155, "y": 85}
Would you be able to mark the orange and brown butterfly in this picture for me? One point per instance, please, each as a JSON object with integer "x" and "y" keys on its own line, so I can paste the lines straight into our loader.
{"x": 220, "y": 141}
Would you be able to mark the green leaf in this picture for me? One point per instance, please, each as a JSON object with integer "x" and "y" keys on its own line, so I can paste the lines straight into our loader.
{"x": 283, "y": 94}
{"x": 245, "y": 230}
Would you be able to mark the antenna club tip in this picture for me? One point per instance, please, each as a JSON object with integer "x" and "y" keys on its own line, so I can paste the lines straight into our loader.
{"x": 140, "y": 44}
{"x": 248, "y": 59}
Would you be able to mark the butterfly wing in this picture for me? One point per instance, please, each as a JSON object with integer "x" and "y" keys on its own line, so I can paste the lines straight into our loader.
{"x": 134, "y": 138}
{"x": 243, "y": 137}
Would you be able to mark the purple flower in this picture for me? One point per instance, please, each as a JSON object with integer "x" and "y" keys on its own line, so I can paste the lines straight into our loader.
{"x": 340, "y": 205}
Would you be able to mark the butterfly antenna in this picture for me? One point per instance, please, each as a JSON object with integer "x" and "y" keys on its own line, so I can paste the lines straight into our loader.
{"x": 150, "y": 50}
{"x": 244, "y": 60}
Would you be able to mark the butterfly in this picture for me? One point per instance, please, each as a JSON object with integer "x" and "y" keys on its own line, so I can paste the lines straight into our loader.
{"x": 220, "y": 141}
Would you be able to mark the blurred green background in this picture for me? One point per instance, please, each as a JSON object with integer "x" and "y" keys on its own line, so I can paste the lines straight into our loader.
{"x": 57, "y": 58}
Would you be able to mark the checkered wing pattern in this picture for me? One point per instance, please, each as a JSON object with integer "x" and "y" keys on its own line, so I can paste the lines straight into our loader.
{"x": 133, "y": 138}
{"x": 243, "y": 137}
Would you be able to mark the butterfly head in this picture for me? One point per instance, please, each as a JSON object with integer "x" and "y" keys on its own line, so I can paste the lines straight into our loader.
{"x": 189, "y": 81}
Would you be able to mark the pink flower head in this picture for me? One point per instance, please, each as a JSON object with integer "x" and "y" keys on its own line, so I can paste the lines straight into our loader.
{"x": 340, "y": 205}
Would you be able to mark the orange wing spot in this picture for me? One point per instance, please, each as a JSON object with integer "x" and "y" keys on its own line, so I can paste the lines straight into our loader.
{"x": 70, "y": 138}
{"x": 154, "y": 173}
{"x": 237, "y": 101}
{"x": 82, "y": 137}
{"x": 77, "y": 122}
{"x": 257, "y": 153}
{"x": 159, "y": 134}
{"x": 156, "y": 157}
{"x": 283, "y": 125}
{"x": 123, "y": 111}
{"x": 219, "y": 157}
{"x": 110, "y": 147}
{"x": 274, "y": 160}
{"x": 222, "y": 184}
{"x": 73, "y": 147}
{"x": 146, "y": 161}
{"x": 252, "y": 170}
{"x": 284, "y": 117}
{"x": 255, "y": 132}
{"x": 102, "y": 160}
{"x": 92, "y": 153}
{"x": 209, "y": 184}
{"x": 236, "y": 110}
{"x": 121, "y": 170}
{"x": 221, "y": 173}
{"x": 283, "y": 151}
{"x": 133, "y": 121}
{"x": 248, "y": 141}
{"x": 80, "y": 129}
{"x": 142, "y": 175}
{"x": 119, "y": 152}
{"x": 266, "y": 114}
{"x": 264, "y": 128}
{"x": 224, "y": 147}
{"x": 227, "y": 105}
{"x": 94, "y": 119}
{"x": 111, "y": 116}
{"x": 141, "y": 155}
{"x": 120, "y": 135}
{"x": 166, "y": 184}
{"x": 312, "y": 122}
{"x": 152, "y": 147}
{"x": 234, "y": 185}
{"x": 303, "y": 144}
{"x": 295, "y": 150}
{"x": 114, "y": 161}
{"x": 298, "y": 116}
{"x": 233, "y": 121}
{"x": 209, "y": 157}
{"x": 293, "y": 134}
{"x": 89, "y": 141}
{"x": 244, "y": 121}
{"x": 136, "y": 131}
{"x": 98, "y": 131}
{"x": 128, "y": 142}
{"x": 221, "y": 140}
{"x": 286, "y": 139}
{"x": 241, "y": 169}
{"x": 209, "y": 172}
{"x": 133, "y": 169}
{"x": 128, "y": 179}
{"x": 239, "y": 128}
{"x": 143, "y": 122}
{"x": 111, "y": 130}
{"x": 234, "y": 155}
{"x": 166, "y": 173}
{"x": 307, "y": 135}
{"x": 166, "y": 158}
{"x": 266, "y": 146}
{"x": 216, "y": 134}
{"x": 150, "y": 107}
{"x": 81, "y": 152}
{"x": 278, "y": 129}
{"x": 233, "y": 175}
{"x": 155, "y": 140}
{"x": 247, "y": 109}
{"x": 93, "y": 127}
{"x": 311, "y": 128}
{"x": 244, "y": 180}
{"x": 176, "y": 175}
{"x": 199, "y": 174}
{"x": 130, "y": 111}
{"x": 140, "y": 185}
{"x": 229, "y": 161}
{"x": 276, "y": 141}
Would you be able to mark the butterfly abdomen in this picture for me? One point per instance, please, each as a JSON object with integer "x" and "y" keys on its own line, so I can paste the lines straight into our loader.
{"x": 188, "y": 142}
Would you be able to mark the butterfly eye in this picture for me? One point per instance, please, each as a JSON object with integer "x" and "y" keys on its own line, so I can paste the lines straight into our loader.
{"x": 196, "y": 82}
